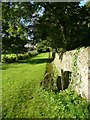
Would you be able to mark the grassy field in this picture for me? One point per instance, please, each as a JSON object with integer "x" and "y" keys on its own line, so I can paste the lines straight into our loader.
{"x": 23, "y": 97}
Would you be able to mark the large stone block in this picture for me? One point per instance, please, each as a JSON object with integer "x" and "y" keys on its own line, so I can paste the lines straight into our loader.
{"x": 82, "y": 65}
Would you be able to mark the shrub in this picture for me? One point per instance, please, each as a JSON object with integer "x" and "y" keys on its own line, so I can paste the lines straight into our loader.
{"x": 26, "y": 56}
{"x": 33, "y": 53}
{"x": 11, "y": 58}
{"x": 42, "y": 47}
{"x": 20, "y": 57}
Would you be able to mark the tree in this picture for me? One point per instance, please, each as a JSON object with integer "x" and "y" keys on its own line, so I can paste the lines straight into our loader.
{"x": 64, "y": 25}
{"x": 16, "y": 23}
{"x": 42, "y": 46}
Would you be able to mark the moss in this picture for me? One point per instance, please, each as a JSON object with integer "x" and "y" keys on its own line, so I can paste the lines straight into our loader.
{"x": 75, "y": 78}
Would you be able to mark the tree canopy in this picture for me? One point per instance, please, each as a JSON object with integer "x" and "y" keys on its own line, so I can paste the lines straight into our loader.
{"x": 62, "y": 25}
{"x": 65, "y": 25}
{"x": 17, "y": 22}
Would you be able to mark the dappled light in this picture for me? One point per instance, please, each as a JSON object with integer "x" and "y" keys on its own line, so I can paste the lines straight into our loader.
{"x": 41, "y": 76}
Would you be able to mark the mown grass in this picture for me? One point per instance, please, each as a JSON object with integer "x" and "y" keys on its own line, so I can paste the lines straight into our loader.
{"x": 20, "y": 82}
{"x": 23, "y": 97}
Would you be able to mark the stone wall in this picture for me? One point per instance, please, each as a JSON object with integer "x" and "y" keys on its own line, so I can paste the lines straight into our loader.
{"x": 89, "y": 73}
{"x": 78, "y": 63}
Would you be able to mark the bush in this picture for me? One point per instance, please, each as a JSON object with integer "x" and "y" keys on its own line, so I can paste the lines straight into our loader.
{"x": 11, "y": 58}
{"x": 20, "y": 57}
{"x": 33, "y": 53}
{"x": 23, "y": 56}
{"x": 42, "y": 47}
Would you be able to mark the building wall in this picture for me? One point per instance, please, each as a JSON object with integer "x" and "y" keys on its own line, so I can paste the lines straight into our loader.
{"x": 78, "y": 63}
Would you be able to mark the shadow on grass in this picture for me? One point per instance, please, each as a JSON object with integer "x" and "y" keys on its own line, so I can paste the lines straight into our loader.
{"x": 6, "y": 66}
{"x": 36, "y": 61}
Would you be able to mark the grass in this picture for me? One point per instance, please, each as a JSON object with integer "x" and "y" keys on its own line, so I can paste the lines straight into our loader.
{"x": 23, "y": 97}
{"x": 20, "y": 82}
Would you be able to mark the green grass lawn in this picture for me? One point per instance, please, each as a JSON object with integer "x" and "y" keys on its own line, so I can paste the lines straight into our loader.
{"x": 20, "y": 83}
{"x": 23, "y": 97}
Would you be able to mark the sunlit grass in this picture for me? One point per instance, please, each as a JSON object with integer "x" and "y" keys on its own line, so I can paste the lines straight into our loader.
{"x": 20, "y": 82}
{"x": 24, "y": 98}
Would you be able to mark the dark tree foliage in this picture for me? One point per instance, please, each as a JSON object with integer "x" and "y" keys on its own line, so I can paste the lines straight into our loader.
{"x": 65, "y": 25}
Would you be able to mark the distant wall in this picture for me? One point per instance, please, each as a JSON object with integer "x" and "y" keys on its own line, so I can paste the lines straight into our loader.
{"x": 78, "y": 63}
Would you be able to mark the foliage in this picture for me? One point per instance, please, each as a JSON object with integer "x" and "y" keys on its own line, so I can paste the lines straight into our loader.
{"x": 76, "y": 77}
{"x": 88, "y": 4}
{"x": 63, "y": 105}
{"x": 17, "y": 25}
{"x": 42, "y": 47}
{"x": 33, "y": 53}
{"x": 65, "y": 25}
{"x": 22, "y": 96}
{"x": 11, "y": 58}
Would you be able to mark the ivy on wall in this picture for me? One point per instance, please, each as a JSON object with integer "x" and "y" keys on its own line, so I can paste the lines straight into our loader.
{"x": 75, "y": 77}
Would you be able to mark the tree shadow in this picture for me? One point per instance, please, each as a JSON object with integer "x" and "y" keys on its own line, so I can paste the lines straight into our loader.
{"x": 36, "y": 61}
{"x": 6, "y": 66}
{"x": 27, "y": 61}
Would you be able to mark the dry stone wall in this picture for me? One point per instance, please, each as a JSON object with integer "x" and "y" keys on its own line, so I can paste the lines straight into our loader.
{"x": 78, "y": 63}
